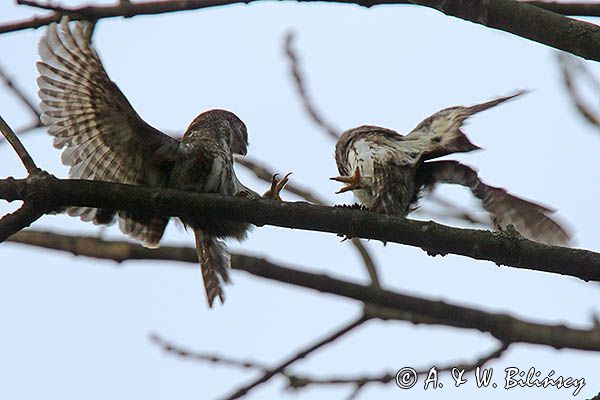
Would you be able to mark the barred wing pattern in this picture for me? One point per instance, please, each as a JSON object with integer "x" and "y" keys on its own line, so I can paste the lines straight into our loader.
{"x": 102, "y": 136}
{"x": 387, "y": 171}
{"x": 440, "y": 134}
{"x": 529, "y": 219}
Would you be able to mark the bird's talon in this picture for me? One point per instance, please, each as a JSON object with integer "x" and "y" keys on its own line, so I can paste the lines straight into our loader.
{"x": 277, "y": 186}
{"x": 353, "y": 182}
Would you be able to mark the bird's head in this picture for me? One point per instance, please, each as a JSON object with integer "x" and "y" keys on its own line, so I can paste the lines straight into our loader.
{"x": 223, "y": 124}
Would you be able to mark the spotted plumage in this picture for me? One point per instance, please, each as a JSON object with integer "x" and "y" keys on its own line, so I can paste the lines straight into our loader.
{"x": 103, "y": 138}
{"x": 387, "y": 171}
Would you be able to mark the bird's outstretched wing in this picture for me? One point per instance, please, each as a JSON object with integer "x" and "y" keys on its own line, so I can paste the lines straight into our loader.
{"x": 440, "y": 134}
{"x": 529, "y": 219}
{"x": 102, "y": 136}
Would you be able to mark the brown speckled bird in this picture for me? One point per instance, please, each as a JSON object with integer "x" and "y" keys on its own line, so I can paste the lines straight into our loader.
{"x": 387, "y": 172}
{"x": 105, "y": 139}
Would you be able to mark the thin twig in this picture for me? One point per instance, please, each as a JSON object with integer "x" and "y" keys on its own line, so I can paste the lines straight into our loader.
{"x": 204, "y": 357}
{"x": 390, "y": 376}
{"x": 298, "y": 356}
{"x": 16, "y": 144}
{"x": 301, "y": 381}
{"x": 26, "y": 129}
{"x": 301, "y": 88}
{"x": 481, "y": 361}
{"x": 568, "y": 65}
{"x": 358, "y": 387}
{"x": 35, "y": 112}
{"x": 17, "y": 91}
{"x": 18, "y": 220}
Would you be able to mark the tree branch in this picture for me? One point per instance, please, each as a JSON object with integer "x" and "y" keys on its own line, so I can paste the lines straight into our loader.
{"x": 298, "y": 80}
{"x": 16, "y": 144}
{"x": 33, "y": 109}
{"x": 529, "y": 20}
{"x": 434, "y": 238}
{"x": 381, "y": 304}
{"x": 582, "y": 9}
{"x": 390, "y": 376}
{"x": 205, "y": 357}
{"x": 28, "y": 103}
{"x": 300, "y": 381}
{"x": 298, "y": 356}
{"x": 568, "y": 66}
{"x": 20, "y": 219}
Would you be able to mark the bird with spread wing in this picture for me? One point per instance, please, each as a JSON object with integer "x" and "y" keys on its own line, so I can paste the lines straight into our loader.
{"x": 388, "y": 171}
{"x": 105, "y": 139}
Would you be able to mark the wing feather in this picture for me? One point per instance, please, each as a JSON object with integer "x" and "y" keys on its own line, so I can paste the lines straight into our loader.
{"x": 440, "y": 134}
{"x": 530, "y": 219}
{"x": 101, "y": 135}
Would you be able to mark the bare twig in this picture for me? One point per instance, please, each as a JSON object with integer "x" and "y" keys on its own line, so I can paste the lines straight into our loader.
{"x": 298, "y": 356}
{"x": 205, "y": 357}
{"x": 382, "y": 304}
{"x": 301, "y": 381}
{"x": 529, "y": 20}
{"x": 16, "y": 144}
{"x": 26, "y": 128}
{"x": 35, "y": 112}
{"x": 368, "y": 261}
{"x": 362, "y": 380}
{"x": 358, "y": 387}
{"x": 18, "y": 220}
{"x": 481, "y": 361}
{"x": 568, "y": 66}
{"x": 301, "y": 88}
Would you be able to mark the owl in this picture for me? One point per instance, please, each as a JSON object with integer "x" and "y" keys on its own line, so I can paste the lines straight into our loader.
{"x": 104, "y": 139}
{"x": 388, "y": 172}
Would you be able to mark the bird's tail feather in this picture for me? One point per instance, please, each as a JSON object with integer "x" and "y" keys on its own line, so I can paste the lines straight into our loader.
{"x": 441, "y": 133}
{"x": 530, "y": 219}
{"x": 214, "y": 263}
{"x": 492, "y": 103}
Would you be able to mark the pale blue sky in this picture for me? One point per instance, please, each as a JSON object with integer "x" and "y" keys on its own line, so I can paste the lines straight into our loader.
{"x": 77, "y": 328}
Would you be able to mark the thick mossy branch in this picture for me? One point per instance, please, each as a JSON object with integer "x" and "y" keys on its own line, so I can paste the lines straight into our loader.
{"x": 434, "y": 238}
